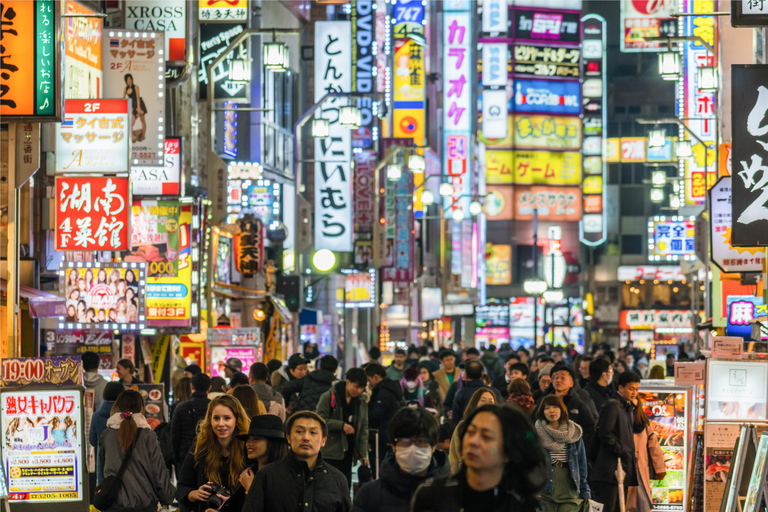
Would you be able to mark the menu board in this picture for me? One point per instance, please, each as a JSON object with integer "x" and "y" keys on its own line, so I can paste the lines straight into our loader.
{"x": 154, "y": 406}
{"x": 757, "y": 479}
{"x": 737, "y": 390}
{"x": 42, "y": 447}
{"x": 719, "y": 440}
{"x": 219, "y": 356}
{"x": 669, "y": 420}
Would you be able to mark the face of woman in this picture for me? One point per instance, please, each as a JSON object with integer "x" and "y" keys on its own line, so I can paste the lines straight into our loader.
{"x": 552, "y": 413}
{"x": 80, "y": 308}
{"x": 424, "y": 374}
{"x": 486, "y": 399}
{"x": 73, "y": 276}
{"x": 223, "y": 422}
{"x": 128, "y": 81}
{"x": 483, "y": 443}
{"x": 256, "y": 447}
{"x": 102, "y": 276}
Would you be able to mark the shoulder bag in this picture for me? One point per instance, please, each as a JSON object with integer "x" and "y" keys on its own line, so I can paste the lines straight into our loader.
{"x": 107, "y": 492}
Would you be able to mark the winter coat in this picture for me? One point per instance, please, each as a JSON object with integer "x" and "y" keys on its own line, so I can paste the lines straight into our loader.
{"x": 577, "y": 464}
{"x": 288, "y": 485}
{"x": 192, "y": 476}
{"x": 386, "y": 399}
{"x": 393, "y": 490}
{"x": 279, "y": 379}
{"x": 599, "y": 394}
{"x": 645, "y": 441}
{"x": 184, "y": 424}
{"x": 395, "y": 374}
{"x": 441, "y": 377}
{"x": 464, "y": 395}
{"x": 502, "y": 386}
{"x": 146, "y": 481}
{"x": 272, "y": 400}
{"x": 309, "y": 388}
{"x": 493, "y": 365}
{"x": 330, "y": 409}
{"x": 615, "y": 440}
{"x": 578, "y": 412}
{"x": 98, "y": 426}
{"x": 97, "y": 383}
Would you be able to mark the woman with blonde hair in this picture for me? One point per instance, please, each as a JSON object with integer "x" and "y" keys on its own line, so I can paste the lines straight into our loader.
{"x": 217, "y": 459}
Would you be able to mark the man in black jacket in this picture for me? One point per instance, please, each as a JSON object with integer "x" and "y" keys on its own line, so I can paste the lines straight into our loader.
{"x": 580, "y": 409}
{"x": 311, "y": 387}
{"x": 386, "y": 399}
{"x": 473, "y": 369}
{"x": 616, "y": 441}
{"x": 600, "y": 377}
{"x": 301, "y": 481}
{"x": 186, "y": 417}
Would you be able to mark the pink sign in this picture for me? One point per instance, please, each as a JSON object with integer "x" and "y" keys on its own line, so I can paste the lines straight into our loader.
{"x": 219, "y": 356}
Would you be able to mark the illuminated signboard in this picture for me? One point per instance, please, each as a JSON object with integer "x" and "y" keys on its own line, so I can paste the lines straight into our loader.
{"x": 82, "y": 51}
{"x": 532, "y": 131}
{"x": 671, "y": 238}
{"x": 546, "y": 61}
{"x": 533, "y": 167}
{"x": 498, "y": 264}
{"x": 725, "y": 255}
{"x": 364, "y": 69}
{"x": 646, "y": 19}
{"x": 160, "y": 181}
{"x": 551, "y": 203}
{"x": 740, "y": 311}
{"x": 169, "y": 16}
{"x": 652, "y": 319}
{"x": 222, "y": 10}
{"x": 155, "y": 236}
{"x": 546, "y": 97}
{"x": 543, "y": 25}
{"x": 214, "y": 39}
{"x": 492, "y": 315}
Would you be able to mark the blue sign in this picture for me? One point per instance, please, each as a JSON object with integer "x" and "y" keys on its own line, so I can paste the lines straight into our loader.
{"x": 740, "y": 309}
{"x": 408, "y": 18}
{"x": 662, "y": 154}
{"x": 546, "y": 97}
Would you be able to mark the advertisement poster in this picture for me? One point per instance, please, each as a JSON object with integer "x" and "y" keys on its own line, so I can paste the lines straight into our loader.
{"x": 546, "y": 97}
{"x": 667, "y": 413}
{"x": 154, "y": 405}
{"x": 646, "y": 19}
{"x": 38, "y": 371}
{"x": 76, "y": 342}
{"x": 719, "y": 440}
{"x": 103, "y": 296}
{"x": 671, "y": 239}
{"x": 736, "y": 390}
{"x": 757, "y": 479}
{"x": 219, "y": 356}
{"x": 160, "y": 180}
{"x": 155, "y": 236}
{"x": 82, "y": 51}
{"x": 169, "y": 299}
{"x": 492, "y": 315}
{"x": 134, "y": 68}
{"x": 498, "y": 264}
{"x": 739, "y": 313}
{"x": 42, "y": 450}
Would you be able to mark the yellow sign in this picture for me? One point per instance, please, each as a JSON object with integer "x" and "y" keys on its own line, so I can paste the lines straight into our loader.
{"x": 222, "y": 10}
{"x": 612, "y": 150}
{"x": 498, "y": 264}
{"x": 593, "y": 185}
{"x": 541, "y": 132}
{"x": 498, "y": 167}
{"x": 546, "y": 168}
{"x": 409, "y": 72}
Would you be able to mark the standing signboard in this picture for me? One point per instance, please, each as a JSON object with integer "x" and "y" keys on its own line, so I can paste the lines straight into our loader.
{"x": 44, "y": 446}
{"x": 719, "y": 442}
{"x": 364, "y": 76}
{"x": 723, "y": 254}
{"x": 737, "y": 390}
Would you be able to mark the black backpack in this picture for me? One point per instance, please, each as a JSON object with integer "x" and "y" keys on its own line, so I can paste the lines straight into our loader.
{"x": 107, "y": 492}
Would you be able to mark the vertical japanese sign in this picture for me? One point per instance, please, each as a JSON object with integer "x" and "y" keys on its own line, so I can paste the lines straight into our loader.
{"x": 249, "y": 246}
{"x": 223, "y": 10}
{"x": 82, "y": 51}
{"x": 365, "y": 162}
{"x": 92, "y": 214}
{"x": 750, "y": 156}
{"x": 333, "y": 176}
{"x": 31, "y": 59}
{"x": 641, "y": 19}
{"x": 214, "y": 39}
{"x": 725, "y": 255}
{"x": 364, "y": 73}
{"x": 169, "y": 16}
{"x": 699, "y": 107}
{"x": 155, "y": 236}
{"x": 458, "y": 107}
{"x": 494, "y": 16}
{"x": 592, "y": 230}
{"x": 134, "y": 68}
{"x": 403, "y": 246}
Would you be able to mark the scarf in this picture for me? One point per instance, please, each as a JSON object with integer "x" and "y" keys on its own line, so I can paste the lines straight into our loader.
{"x": 523, "y": 401}
{"x": 555, "y": 440}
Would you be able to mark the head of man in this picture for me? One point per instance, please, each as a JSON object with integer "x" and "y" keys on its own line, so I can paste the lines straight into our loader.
{"x": 584, "y": 366}
{"x": 471, "y": 353}
{"x": 629, "y": 385}
{"x": 375, "y": 373}
{"x": 524, "y": 355}
{"x": 448, "y": 360}
{"x": 201, "y": 383}
{"x": 329, "y": 364}
{"x": 258, "y": 373}
{"x": 473, "y": 369}
{"x": 630, "y": 360}
{"x": 400, "y": 357}
{"x": 307, "y": 434}
{"x": 356, "y": 382}
{"x": 297, "y": 366}
{"x": 601, "y": 371}
{"x": 413, "y": 434}
{"x": 545, "y": 380}
{"x": 511, "y": 359}
{"x": 562, "y": 378}
{"x": 557, "y": 355}
{"x": 192, "y": 370}
{"x": 518, "y": 371}
{"x": 232, "y": 366}
{"x": 545, "y": 361}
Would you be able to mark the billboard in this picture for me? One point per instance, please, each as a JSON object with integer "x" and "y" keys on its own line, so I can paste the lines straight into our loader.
{"x": 531, "y": 131}
{"x": 671, "y": 238}
{"x": 546, "y": 97}
{"x": 222, "y": 10}
{"x": 545, "y": 25}
{"x": 82, "y": 53}
{"x": 725, "y": 255}
{"x": 546, "y": 61}
{"x": 641, "y": 19}
{"x": 160, "y": 180}
{"x": 155, "y": 236}
{"x": 364, "y": 76}
{"x": 214, "y": 39}
{"x": 498, "y": 264}
{"x": 169, "y": 16}
{"x": 558, "y": 204}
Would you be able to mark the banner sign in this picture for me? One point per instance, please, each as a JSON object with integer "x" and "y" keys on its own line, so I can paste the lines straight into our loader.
{"x": 740, "y": 311}
{"x": 494, "y": 16}
{"x": 222, "y": 10}
{"x": 364, "y": 75}
{"x": 31, "y": 59}
{"x": 169, "y": 16}
{"x": 333, "y": 175}
{"x": 94, "y": 137}
{"x": 401, "y": 269}
{"x": 82, "y": 53}
{"x": 652, "y": 319}
{"x": 545, "y": 25}
{"x": 458, "y": 105}
{"x": 102, "y": 296}
{"x": 492, "y": 315}
{"x": 92, "y": 214}
{"x": 650, "y": 273}
{"x": 365, "y": 161}
{"x": 532, "y": 167}
{"x": 671, "y": 239}
{"x": 750, "y": 156}
{"x": 495, "y": 60}
{"x": 724, "y": 255}
{"x": 155, "y": 236}
{"x": 64, "y": 343}
{"x": 537, "y": 60}
{"x": 160, "y": 181}
{"x": 558, "y": 204}
{"x": 546, "y": 97}
{"x": 214, "y": 39}
{"x": 641, "y": 19}
{"x": 219, "y": 356}
{"x": 27, "y": 372}
{"x": 498, "y": 264}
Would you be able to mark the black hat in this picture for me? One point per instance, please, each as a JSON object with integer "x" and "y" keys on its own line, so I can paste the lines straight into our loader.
{"x": 193, "y": 369}
{"x": 296, "y": 360}
{"x": 266, "y": 425}
{"x": 562, "y": 367}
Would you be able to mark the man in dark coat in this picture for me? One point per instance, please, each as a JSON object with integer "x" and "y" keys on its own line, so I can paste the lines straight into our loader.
{"x": 580, "y": 410}
{"x": 186, "y": 417}
{"x": 301, "y": 481}
{"x": 616, "y": 441}
{"x": 312, "y": 387}
{"x": 473, "y": 369}
{"x": 386, "y": 399}
{"x": 600, "y": 377}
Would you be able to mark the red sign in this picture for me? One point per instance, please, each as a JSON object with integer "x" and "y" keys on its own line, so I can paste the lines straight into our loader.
{"x": 92, "y": 214}
{"x": 652, "y": 319}
{"x": 249, "y": 246}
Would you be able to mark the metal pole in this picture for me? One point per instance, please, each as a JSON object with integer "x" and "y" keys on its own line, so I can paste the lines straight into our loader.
{"x": 12, "y": 288}
{"x": 535, "y": 274}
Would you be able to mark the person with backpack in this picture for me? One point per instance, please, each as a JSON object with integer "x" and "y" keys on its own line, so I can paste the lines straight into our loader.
{"x": 132, "y": 465}
{"x": 311, "y": 387}
{"x": 186, "y": 417}
{"x": 273, "y": 401}
{"x": 346, "y": 414}
{"x": 386, "y": 399}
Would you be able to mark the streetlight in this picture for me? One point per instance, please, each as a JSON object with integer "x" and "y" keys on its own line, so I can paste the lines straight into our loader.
{"x": 394, "y": 172}
{"x": 553, "y": 295}
{"x": 240, "y": 71}
{"x": 350, "y": 116}
{"x": 707, "y": 79}
{"x": 417, "y": 163}
{"x": 683, "y": 149}
{"x": 475, "y": 208}
{"x": 446, "y": 189}
{"x": 276, "y": 57}
{"x": 657, "y": 195}
{"x": 427, "y": 198}
{"x": 658, "y": 178}
{"x": 657, "y": 138}
{"x": 458, "y": 215}
{"x": 324, "y": 260}
{"x": 321, "y": 128}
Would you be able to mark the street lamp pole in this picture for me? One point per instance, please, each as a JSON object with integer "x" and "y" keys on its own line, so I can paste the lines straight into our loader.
{"x": 536, "y": 275}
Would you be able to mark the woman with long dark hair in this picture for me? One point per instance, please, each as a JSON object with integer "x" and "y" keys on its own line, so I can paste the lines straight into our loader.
{"x": 139, "y": 108}
{"x": 218, "y": 458}
{"x": 265, "y": 443}
{"x": 146, "y": 481}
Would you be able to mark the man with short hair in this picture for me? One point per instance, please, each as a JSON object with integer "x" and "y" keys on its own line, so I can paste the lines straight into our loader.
{"x": 470, "y": 353}
{"x": 374, "y": 355}
{"x": 237, "y": 379}
{"x": 386, "y": 399}
{"x": 600, "y": 378}
{"x": 302, "y": 481}
{"x": 615, "y": 440}
{"x": 557, "y": 355}
{"x": 186, "y": 417}
{"x": 580, "y": 409}
{"x": 346, "y": 414}
{"x": 474, "y": 372}
{"x": 192, "y": 370}
{"x": 413, "y": 357}
{"x": 544, "y": 382}
{"x": 295, "y": 369}
{"x": 93, "y": 380}
{"x": 231, "y": 366}
{"x": 273, "y": 401}
{"x": 542, "y": 361}
{"x": 492, "y": 363}
{"x": 584, "y": 371}
{"x": 448, "y": 373}
{"x": 524, "y": 355}
{"x": 396, "y": 369}
{"x": 502, "y": 383}
{"x": 311, "y": 387}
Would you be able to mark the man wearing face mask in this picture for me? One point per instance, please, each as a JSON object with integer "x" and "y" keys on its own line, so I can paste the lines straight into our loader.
{"x": 600, "y": 378}
{"x": 413, "y": 434}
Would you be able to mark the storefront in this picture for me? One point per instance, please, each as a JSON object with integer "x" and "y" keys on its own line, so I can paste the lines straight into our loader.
{"x": 658, "y": 332}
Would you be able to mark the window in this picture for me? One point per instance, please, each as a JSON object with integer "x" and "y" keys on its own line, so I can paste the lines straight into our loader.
{"x": 632, "y": 244}
{"x": 633, "y": 201}
{"x": 635, "y": 109}
{"x": 613, "y": 174}
{"x": 626, "y": 174}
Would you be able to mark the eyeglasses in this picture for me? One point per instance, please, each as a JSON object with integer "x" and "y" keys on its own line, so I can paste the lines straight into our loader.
{"x": 421, "y": 442}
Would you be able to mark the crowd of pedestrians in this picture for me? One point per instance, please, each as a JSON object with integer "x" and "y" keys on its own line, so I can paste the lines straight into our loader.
{"x": 451, "y": 430}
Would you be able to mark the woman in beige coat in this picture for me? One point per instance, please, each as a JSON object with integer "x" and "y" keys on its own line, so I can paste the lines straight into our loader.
{"x": 646, "y": 444}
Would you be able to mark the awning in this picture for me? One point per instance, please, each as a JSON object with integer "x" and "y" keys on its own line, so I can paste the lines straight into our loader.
{"x": 41, "y": 304}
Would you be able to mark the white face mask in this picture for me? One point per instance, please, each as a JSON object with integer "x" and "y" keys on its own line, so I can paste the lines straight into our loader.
{"x": 411, "y": 385}
{"x": 413, "y": 460}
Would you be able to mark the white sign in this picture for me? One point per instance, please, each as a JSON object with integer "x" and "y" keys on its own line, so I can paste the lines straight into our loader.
{"x": 333, "y": 176}
{"x": 736, "y": 390}
{"x": 754, "y": 7}
{"x": 650, "y": 273}
{"x": 160, "y": 181}
{"x": 727, "y": 347}
{"x": 169, "y": 16}
{"x": 727, "y": 257}
{"x": 495, "y": 114}
{"x": 494, "y": 16}
{"x": 494, "y": 64}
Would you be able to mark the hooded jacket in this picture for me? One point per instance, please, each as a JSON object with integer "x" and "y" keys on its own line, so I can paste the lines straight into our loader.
{"x": 184, "y": 424}
{"x": 98, "y": 426}
{"x": 386, "y": 399}
{"x": 97, "y": 383}
{"x": 393, "y": 490}
{"x": 493, "y": 365}
{"x": 330, "y": 408}
{"x": 146, "y": 481}
{"x": 280, "y": 378}
{"x": 310, "y": 389}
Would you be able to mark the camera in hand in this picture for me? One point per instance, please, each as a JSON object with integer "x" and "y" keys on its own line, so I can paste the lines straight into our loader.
{"x": 218, "y": 495}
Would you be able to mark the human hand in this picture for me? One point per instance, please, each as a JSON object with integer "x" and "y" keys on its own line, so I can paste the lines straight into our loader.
{"x": 349, "y": 429}
{"x": 201, "y": 494}
{"x": 246, "y": 479}
{"x": 364, "y": 461}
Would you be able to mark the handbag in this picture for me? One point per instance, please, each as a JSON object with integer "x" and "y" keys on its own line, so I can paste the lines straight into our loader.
{"x": 107, "y": 491}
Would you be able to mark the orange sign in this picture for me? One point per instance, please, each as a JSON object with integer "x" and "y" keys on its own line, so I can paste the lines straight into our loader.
{"x": 633, "y": 149}
{"x": 725, "y": 159}
{"x": 499, "y": 202}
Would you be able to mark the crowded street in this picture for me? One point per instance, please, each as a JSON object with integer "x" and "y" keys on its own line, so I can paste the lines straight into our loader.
{"x": 383, "y": 256}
